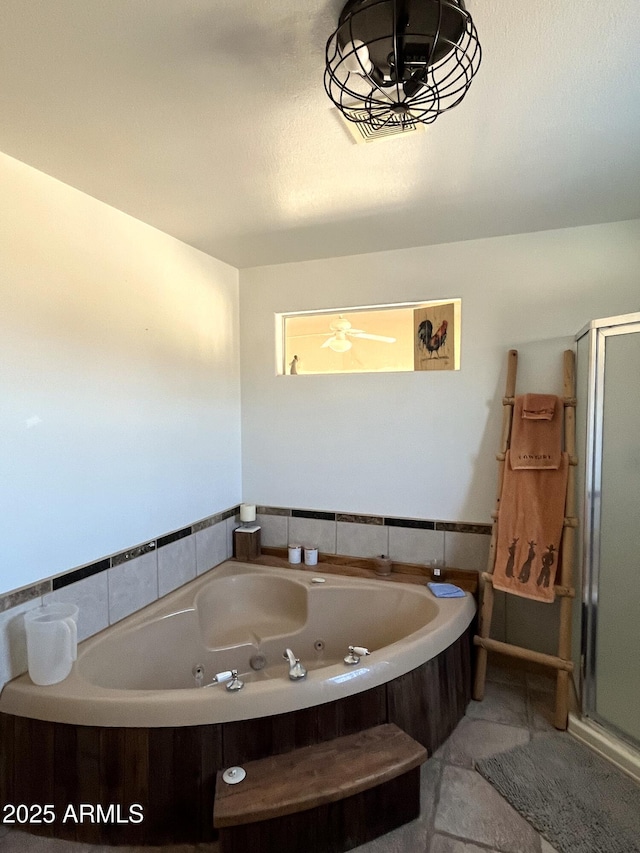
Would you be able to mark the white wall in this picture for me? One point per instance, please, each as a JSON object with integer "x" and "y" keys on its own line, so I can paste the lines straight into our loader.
{"x": 420, "y": 444}
{"x": 120, "y": 400}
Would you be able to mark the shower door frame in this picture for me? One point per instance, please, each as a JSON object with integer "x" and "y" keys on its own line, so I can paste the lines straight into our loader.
{"x": 598, "y": 331}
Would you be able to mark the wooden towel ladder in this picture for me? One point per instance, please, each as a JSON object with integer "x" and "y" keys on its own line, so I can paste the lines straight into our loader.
{"x": 564, "y": 584}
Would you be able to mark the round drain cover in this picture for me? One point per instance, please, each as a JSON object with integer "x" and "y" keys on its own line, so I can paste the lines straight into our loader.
{"x": 233, "y": 775}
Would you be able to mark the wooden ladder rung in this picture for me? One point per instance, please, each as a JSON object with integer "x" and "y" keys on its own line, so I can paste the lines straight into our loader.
{"x": 561, "y": 591}
{"x": 523, "y": 654}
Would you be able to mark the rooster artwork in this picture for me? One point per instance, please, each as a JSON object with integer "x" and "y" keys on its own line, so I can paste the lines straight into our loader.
{"x": 432, "y": 343}
{"x": 433, "y": 328}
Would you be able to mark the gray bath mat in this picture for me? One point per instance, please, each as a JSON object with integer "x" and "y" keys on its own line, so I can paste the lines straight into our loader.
{"x": 578, "y": 801}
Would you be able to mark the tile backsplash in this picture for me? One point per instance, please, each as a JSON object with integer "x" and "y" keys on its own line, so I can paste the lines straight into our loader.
{"x": 406, "y": 540}
{"x": 91, "y": 595}
{"x": 132, "y": 585}
{"x": 116, "y": 586}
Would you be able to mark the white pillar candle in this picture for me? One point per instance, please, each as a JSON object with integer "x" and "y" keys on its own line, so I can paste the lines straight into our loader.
{"x": 247, "y": 512}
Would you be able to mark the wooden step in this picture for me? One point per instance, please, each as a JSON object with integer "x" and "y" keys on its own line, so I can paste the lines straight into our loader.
{"x": 316, "y": 775}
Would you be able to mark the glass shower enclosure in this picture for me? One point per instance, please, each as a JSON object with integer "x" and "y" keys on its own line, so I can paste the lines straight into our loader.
{"x": 608, "y": 447}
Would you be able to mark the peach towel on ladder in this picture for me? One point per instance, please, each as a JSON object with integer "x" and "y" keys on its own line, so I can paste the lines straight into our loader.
{"x": 536, "y": 431}
{"x": 530, "y": 522}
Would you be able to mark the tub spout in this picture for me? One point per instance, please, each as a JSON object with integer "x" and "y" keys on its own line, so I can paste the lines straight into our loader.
{"x": 296, "y": 669}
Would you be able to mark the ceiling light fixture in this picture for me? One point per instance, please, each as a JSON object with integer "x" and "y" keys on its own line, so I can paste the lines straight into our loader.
{"x": 339, "y": 343}
{"x": 401, "y": 62}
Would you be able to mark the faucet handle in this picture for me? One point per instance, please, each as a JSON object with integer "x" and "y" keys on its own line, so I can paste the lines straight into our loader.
{"x": 235, "y": 683}
{"x": 230, "y": 676}
{"x": 355, "y": 653}
{"x": 227, "y": 675}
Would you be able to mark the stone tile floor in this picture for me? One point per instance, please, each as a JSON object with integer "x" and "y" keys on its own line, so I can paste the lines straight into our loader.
{"x": 461, "y": 812}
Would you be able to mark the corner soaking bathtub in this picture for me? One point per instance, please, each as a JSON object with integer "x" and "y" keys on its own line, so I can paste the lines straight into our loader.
{"x": 129, "y": 726}
{"x": 139, "y": 672}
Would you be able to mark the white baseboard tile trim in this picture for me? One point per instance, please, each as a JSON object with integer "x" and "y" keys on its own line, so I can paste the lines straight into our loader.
{"x": 622, "y": 754}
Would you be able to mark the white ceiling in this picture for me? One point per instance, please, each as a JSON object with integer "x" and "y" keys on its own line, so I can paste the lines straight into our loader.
{"x": 208, "y": 119}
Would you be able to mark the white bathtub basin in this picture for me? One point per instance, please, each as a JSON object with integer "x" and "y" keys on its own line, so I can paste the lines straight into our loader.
{"x": 139, "y": 671}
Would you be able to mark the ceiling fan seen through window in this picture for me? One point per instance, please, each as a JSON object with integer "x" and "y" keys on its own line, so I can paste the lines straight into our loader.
{"x": 342, "y": 332}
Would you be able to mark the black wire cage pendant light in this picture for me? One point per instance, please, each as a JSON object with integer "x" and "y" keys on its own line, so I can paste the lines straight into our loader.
{"x": 400, "y": 62}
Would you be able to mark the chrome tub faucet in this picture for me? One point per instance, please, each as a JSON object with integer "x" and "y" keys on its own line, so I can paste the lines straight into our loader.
{"x": 296, "y": 669}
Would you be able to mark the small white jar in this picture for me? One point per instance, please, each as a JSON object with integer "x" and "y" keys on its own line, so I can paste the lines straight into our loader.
{"x": 295, "y": 554}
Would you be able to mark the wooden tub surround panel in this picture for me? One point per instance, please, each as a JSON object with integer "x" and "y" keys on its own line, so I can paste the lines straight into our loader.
{"x": 171, "y": 772}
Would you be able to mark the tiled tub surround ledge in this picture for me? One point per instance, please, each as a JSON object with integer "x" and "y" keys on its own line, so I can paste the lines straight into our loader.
{"x": 272, "y": 535}
{"x": 365, "y": 567}
{"x": 115, "y": 586}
